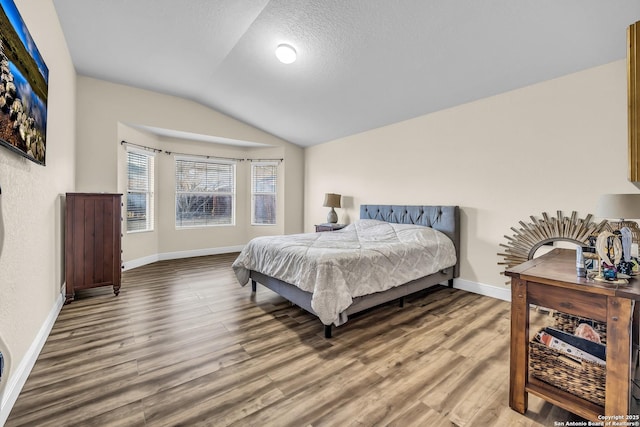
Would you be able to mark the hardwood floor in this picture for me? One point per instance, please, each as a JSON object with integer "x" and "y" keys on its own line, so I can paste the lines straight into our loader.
{"x": 184, "y": 344}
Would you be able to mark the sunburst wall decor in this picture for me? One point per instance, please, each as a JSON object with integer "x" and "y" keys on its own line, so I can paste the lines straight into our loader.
{"x": 525, "y": 242}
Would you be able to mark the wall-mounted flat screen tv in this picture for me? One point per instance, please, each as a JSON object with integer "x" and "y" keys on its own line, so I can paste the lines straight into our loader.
{"x": 24, "y": 81}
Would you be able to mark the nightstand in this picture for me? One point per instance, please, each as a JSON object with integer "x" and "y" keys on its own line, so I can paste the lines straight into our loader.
{"x": 550, "y": 281}
{"x": 329, "y": 227}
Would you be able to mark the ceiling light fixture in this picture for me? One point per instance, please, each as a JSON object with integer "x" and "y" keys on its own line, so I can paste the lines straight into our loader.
{"x": 286, "y": 53}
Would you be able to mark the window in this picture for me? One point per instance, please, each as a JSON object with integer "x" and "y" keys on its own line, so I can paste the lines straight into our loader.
{"x": 139, "y": 191}
{"x": 205, "y": 193}
{"x": 264, "y": 180}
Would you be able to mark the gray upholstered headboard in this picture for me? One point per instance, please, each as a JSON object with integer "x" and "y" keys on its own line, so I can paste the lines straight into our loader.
{"x": 442, "y": 218}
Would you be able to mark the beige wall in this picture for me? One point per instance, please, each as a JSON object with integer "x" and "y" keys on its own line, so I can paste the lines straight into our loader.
{"x": 552, "y": 146}
{"x": 293, "y": 174}
{"x": 106, "y": 112}
{"x": 31, "y": 261}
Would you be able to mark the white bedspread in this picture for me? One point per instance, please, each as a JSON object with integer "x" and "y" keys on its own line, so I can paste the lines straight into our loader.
{"x": 365, "y": 257}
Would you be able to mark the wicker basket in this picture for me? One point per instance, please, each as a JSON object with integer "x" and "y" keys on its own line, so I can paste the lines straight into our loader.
{"x": 584, "y": 379}
{"x": 569, "y": 323}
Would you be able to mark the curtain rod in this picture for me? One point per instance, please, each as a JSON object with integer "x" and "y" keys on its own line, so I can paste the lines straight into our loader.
{"x": 205, "y": 156}
{"x": 155, "y": 150}
{"x": 265, "y": 160}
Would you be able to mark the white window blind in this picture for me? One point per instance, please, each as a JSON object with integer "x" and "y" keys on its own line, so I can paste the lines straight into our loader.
{"x": 205, "y": 192}
{"x": 264, "y": 184}
{"x": 139, "y": 191}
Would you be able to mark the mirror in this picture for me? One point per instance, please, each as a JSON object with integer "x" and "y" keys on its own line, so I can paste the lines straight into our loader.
{"x": 560, "y": 243}
{"x": 527, "y": 240}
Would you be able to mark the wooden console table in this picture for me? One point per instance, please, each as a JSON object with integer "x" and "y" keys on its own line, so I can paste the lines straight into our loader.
{"x": 551, "y": 282}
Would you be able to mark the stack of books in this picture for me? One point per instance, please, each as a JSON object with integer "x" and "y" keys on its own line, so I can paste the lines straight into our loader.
{"x": 572, "y": 346}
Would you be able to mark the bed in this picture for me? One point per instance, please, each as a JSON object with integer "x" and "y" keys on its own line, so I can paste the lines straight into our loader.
{"x": 340, "y": 273}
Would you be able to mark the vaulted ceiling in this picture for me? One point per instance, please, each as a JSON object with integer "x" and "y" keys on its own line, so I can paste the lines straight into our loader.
{"x": 361, "y": 64}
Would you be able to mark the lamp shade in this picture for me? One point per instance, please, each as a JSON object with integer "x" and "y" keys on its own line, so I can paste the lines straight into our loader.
{"x": 331, "y": 200}
{"x": 622, "y": 206}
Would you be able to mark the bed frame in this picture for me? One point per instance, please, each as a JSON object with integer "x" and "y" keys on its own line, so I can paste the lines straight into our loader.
{"x": 442, "y": 218}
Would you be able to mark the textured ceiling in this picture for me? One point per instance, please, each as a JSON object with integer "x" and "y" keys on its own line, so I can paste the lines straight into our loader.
{"x": 361, "y": 64}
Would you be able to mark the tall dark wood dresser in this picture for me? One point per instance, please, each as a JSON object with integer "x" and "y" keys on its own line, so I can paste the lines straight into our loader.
{"x": 92, "y": 242}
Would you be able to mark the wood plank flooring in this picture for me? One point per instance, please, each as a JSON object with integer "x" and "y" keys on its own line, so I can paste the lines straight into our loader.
{"x": 185, "y": 345}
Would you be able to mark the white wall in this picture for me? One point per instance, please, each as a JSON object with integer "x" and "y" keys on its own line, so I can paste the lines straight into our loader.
{"x": 106, "y": 112}
{"x": 31, "y": 262}
{"x": 552, "y": 146}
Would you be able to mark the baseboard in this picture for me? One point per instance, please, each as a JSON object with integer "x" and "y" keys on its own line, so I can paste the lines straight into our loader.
{"x": 180, "y": 254}
{"x": 503, "y": 293}
{"x": 139, "y": 262}
{"x": 21, "y": 373}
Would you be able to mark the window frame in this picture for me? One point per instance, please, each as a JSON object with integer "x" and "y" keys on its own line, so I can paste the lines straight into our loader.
{"x": 232, "y": 193}
{"x": 149, "y": 192}
{"x": 254, "y": 193}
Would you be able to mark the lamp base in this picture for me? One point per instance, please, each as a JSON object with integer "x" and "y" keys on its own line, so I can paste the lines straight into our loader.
{"x": 332, "y": 217}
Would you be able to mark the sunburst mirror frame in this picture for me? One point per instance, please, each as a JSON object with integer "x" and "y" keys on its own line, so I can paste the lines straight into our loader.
{"x": 523, "y": 245}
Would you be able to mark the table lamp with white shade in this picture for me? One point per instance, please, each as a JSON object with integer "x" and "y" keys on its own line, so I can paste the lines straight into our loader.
{"x": 623, "y": 207}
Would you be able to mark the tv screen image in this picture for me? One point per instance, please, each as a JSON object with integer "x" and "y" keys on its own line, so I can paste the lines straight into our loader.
{"x": 24, "y": 81}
